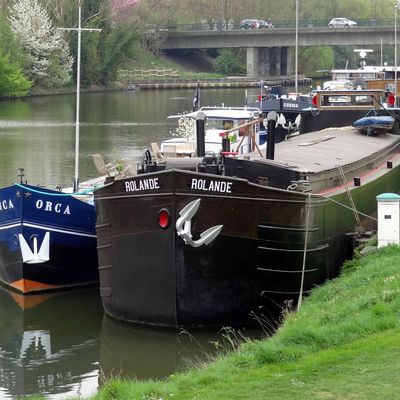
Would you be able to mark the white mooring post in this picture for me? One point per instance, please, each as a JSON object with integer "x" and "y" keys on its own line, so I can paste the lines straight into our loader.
{"x": 388, "y": 219}
{"x": 79, "y": 29}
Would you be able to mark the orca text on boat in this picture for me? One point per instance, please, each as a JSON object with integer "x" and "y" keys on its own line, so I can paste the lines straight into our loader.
{"x": 52, "y": 207}
{"x": 6, "y": 204}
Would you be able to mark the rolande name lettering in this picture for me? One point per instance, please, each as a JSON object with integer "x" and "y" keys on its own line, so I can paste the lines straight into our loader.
{"x": 6, "y": 204}
{"x": 211, "y": 186}
{"x": 143, "y": 184}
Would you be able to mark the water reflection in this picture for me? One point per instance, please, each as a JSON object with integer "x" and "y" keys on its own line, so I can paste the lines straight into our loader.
{"x": 62, "y": 344}
{"x": 48, "y": 343}
{"x": 129, "y": 351}
{"x": 141, "y": 353}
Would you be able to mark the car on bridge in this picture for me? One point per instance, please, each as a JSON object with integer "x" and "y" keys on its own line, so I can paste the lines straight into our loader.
{"x": 255, "y": 24}
{"x": 249, "y": 24}
{"x": 341, "y": 22}
{"x": 264, "y": 24}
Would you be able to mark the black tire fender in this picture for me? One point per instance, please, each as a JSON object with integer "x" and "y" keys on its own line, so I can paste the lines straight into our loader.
{"x": 147, "y": 161}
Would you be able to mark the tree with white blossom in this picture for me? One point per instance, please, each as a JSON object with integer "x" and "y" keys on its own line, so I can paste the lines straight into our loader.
{"x": 117, "y": 5}
{"x": 48, "y": 60}
{"x": 186, "y": 128}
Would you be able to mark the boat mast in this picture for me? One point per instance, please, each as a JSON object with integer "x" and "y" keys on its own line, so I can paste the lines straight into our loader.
{"x": 78, "y": 84}
{"x": 296, "y": 49}
{"x": 396, "y": 5}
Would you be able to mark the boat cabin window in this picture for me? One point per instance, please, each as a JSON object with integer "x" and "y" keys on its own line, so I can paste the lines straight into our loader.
{"x": 363, "y": 100}
{"x": 220, "y": 124}
{"x": 334, "y": 100}
{"x": 338, "y": 100}
{"x": 390, "y": 87}
{"x": 359, "y": 74}
{"x": 227, "y": 124}
{"x": 390, "y": 75}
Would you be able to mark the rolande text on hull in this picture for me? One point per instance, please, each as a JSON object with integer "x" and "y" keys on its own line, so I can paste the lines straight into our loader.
{"x": 47, "y": 240}
{"x": 212, "y": 246}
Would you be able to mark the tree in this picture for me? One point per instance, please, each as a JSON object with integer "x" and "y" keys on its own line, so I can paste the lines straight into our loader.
{"x": 227, "y": 62}
{"x": 102, "y": 53}
{"x": 48, "y": 61}
{"x": 9, "y": 45}
{"x": 120, "y": 9}
{"x": 12, "y": 81}
{"x": 312, "y": 59}
{"x": 116, "y": 45}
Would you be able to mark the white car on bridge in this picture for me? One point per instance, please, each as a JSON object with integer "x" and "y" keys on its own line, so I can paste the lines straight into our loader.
{"x": 341, "y": 22}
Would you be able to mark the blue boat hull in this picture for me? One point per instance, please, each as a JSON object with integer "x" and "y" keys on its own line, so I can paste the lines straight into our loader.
{"x": 38, "y": 217}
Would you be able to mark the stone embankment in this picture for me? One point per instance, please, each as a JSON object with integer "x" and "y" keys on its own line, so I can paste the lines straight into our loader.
{"x": 175, "y": 83}
{"x": 236, "y": 82}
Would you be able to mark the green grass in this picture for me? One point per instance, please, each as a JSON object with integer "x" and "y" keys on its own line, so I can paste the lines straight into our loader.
{"x": 342, "y": 344}
{"x": 147, "y": 60}
{"x": 200, "y": 75}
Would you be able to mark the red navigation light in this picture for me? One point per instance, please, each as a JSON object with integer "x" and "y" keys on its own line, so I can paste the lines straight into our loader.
{"x": 164, "y": 218}
{"x": 314, "y": 100}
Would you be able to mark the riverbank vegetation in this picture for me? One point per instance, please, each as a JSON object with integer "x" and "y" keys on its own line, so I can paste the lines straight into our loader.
{"x": 35, "y": 53}
{"x": 341, "y": 344}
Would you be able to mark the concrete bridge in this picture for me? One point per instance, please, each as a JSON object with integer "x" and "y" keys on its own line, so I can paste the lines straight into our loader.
{"x": 269, "y": 51}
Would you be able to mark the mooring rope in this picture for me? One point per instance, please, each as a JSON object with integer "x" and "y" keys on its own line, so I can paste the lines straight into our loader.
{"x": 304, "y": 254}
{"x": 349, "y": 208}
{"x": 350, "y": 197}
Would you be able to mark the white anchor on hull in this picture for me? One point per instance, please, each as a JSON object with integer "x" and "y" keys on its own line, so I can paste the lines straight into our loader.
{"x": 288, "y": 125}
{"x": 35, "y": 256}
{"x": 184, "y": 225}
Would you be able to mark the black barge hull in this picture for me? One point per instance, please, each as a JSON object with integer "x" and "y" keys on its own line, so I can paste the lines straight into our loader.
{"x": 148, "y": 274}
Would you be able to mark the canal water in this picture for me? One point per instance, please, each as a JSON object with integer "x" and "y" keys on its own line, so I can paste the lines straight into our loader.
{"x": 61, "y": 344}
{"x": 38, "y": 134}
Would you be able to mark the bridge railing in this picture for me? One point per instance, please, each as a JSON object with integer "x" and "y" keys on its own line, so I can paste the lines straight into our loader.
{"x": 324, "y": 23}
{"x": 376, "y": 22}
{"x": 232, "y": 25}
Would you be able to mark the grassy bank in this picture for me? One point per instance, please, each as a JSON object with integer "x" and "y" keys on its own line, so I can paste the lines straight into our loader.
{"x": 342, "y": 344}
